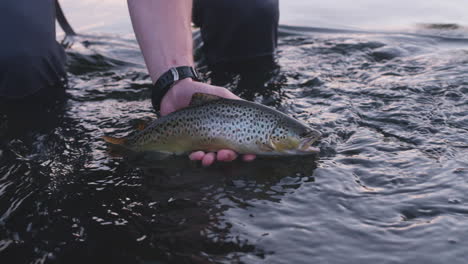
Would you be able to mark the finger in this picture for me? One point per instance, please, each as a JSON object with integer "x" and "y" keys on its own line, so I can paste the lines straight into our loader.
{"x": 249, "y": 157}
{"x": 221, "y": 91}
{"x": 226, "y": 155}
{"x": 197, "y": 155}
{"x": 228, "y": 94}
{"x": 208, "y": 159}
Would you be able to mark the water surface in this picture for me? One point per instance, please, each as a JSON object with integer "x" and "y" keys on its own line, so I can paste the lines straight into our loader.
{"x": 389, "y": 185}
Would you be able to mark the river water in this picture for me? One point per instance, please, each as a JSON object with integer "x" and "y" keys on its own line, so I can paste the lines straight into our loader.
{"x": 389, "y": 185}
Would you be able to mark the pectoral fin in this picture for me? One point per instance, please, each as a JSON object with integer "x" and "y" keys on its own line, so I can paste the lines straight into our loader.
{"x": 266, "y": 147}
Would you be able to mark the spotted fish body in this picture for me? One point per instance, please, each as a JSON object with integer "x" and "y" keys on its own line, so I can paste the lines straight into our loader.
{"x": 212, "y": 123}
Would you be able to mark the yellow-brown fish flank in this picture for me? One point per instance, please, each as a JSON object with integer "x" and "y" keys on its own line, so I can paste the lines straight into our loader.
{"x": 214, "y": 123}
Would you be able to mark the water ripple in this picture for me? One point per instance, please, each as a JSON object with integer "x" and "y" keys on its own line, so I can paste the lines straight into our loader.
{"x": 391, "y": 175}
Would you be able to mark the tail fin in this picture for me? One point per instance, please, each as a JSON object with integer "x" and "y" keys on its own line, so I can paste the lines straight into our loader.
{"x": 115, "y": 141}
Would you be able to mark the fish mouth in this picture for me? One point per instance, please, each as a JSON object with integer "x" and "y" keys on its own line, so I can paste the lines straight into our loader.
{"x": 310, "y": 138}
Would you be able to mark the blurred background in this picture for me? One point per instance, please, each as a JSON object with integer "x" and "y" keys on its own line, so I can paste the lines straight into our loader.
{"x": 112, "y": 15}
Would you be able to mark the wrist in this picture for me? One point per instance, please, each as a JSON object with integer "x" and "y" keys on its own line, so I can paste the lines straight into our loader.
{"x": 181, "y": 85}
{"x": 156, "y": 74}
{"x": 170, "y": 79}
{"x": 178, "y": 96}
{"x": 181, "y": 90}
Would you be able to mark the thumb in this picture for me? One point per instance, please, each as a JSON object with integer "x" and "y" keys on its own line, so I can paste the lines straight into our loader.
{"x": 217, "y": 90}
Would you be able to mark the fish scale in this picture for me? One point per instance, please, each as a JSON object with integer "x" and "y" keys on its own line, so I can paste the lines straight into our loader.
{"x": 212, "y": 123}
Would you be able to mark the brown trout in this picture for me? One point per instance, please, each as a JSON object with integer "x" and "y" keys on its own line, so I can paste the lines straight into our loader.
{"x": 212, "y": 123}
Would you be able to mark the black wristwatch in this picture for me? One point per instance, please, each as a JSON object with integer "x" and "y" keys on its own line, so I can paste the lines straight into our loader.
{"x": 165, "y": 82}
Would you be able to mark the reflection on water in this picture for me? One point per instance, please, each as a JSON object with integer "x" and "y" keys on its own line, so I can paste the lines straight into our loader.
{"x": 372, "y": 15}
{"x": 198, "y": 211}
{"x": 389, "y": 184}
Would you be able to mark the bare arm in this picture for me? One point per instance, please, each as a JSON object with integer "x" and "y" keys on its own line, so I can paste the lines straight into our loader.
{"x": 164, "y": 33}
{"x": 163, "y": 30}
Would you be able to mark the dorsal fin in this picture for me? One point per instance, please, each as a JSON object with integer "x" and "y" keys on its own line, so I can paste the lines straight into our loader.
{"x": 203, "y": 98}
{"x": 140, "y": 125}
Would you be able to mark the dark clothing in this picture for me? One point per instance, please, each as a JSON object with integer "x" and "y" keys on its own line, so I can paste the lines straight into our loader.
{"x": 234, "y": 30}
{"x": 32, "y": 61}
{"x": 30, "y": 57}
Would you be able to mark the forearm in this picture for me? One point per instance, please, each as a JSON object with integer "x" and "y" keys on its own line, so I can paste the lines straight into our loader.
{"x": 163, "y": 30}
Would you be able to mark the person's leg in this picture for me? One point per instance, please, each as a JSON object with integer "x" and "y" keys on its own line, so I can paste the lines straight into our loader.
{"x": 31, "y": 60}
{"x": 32, "y": 66}
{"x": 237, "y": 30}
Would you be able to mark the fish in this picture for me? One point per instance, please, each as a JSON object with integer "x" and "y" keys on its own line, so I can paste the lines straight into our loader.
{"x": 211, "y": 123}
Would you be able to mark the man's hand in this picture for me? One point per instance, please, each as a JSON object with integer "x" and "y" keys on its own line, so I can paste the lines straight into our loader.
{"x": 164, "y": 32}
{"x": 179, "y": 96}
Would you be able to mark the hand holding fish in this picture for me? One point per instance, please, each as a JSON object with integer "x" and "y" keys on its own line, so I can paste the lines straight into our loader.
{"x": 199, "y": 118}
{"x": 180, "y": 95}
